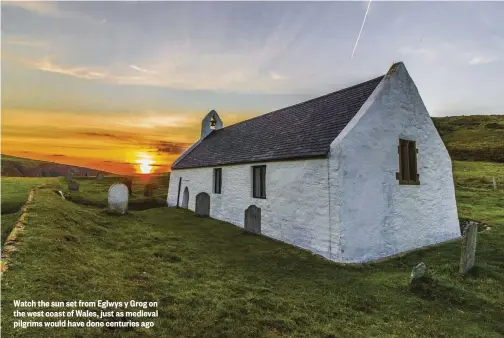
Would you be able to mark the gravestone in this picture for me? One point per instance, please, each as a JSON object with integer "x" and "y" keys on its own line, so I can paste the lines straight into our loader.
{"x": 99, "y": 176}
{"x": 149, "y": 189}
{"x": 73, "y": 186}
{"x": 418, "y": 271}
{"x": 118, "y": 198}
{"x": 185, "y": 199}
{"x": 128, "y": 182}
{"x": 494, "y": 183}
{"x": 69, "y": 176}
{"x": 468, "y": 255}
{"x": 253, "y": 219}
{"x": 203, "y": 204}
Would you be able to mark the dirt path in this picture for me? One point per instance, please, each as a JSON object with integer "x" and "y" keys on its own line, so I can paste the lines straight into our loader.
{"x": 10, "y": 242}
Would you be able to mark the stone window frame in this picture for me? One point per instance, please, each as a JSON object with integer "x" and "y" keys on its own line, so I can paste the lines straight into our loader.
{"x": 408, "y": 163}
{"x": 261, "y": 169}
{"x": 217, "y": 181}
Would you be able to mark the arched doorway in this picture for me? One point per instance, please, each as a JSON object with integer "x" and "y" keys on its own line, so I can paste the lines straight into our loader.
{"x": 203, "y": 204}
{"x": 185, "y": 198}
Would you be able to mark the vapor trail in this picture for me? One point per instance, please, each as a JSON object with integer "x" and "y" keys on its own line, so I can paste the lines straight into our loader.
{"x": 362, "y": 27}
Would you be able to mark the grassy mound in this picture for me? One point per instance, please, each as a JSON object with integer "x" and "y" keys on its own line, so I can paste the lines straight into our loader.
{"x": 212, "y": 280}
{"x": 473, "y": 138}
{"x": 15, "y": 191}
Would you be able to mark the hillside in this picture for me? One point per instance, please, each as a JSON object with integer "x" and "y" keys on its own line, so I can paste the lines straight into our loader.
{"x": 24, "y": 167}
{"x": 473, "y": 138}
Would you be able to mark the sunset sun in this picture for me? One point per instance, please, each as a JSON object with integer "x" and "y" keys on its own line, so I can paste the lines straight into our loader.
{"x": 145, "y": 162}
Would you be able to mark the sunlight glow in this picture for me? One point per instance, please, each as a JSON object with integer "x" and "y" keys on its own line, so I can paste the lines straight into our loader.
{"x": 145, "y": 162}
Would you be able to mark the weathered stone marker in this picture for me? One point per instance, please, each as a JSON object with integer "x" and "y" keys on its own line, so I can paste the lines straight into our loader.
{"x": 253, "y": 219}
{"x": 203, "y": 204}
{"x": 128, "y": 182}
{"x": 73, "y": 186}
{"x": 118, "y": 198}
{"x": 69, "y": 176}
{"x": 185, "y": 200}
{"x": 149, "y": 189}
{"x": 494, "y": 183}
{"x": 418, "y": 271}
{"x": 468, "y": 255}
{"x": 99, "y": 176}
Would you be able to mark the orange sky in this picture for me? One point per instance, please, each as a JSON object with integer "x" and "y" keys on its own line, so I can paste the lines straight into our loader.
{"x": 108, "y": 142}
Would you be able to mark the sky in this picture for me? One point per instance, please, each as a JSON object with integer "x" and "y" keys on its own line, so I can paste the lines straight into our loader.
{"x": 114, "y": 85}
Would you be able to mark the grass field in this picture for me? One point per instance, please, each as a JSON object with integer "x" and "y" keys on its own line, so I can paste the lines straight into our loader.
{"x": 212, "y": 280}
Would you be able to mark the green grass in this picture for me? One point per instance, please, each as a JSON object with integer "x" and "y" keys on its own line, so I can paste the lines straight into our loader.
{"x": 213, "y": 280}
{"x": 476, "y": 198}
{"x": 476, "y": 137}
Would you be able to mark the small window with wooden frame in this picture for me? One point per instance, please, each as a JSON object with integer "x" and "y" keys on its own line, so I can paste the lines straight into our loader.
{"x": 408, "y": 167}
{"x": 217, "y": 180}
{"x": 259, "y": 181}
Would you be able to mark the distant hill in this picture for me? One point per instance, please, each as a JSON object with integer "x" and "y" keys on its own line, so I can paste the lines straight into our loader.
{"x": 474, "y": 137}
{"x": 25, "y": 167}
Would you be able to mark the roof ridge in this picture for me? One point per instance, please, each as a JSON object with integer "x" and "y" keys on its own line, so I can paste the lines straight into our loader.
{"x": 307, "y": 101}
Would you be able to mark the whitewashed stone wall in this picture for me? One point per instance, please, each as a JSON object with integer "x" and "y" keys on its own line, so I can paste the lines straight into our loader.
{"x": 295, "y": 210}
{"x": 377, "y": 217}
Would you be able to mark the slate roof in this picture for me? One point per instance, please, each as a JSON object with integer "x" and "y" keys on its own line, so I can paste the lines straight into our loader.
{"x": 303, "y": 130}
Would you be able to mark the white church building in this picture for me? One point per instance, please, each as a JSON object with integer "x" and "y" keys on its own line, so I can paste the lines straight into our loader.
{"x": 354, "y": 175}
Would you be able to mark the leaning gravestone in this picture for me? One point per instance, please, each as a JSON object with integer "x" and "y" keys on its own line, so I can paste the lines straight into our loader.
{"x": 73, "y": 186}
{"x": 118, "y": 198}
{"x": 149, "y": 190}
{"x": 468, "y": 255}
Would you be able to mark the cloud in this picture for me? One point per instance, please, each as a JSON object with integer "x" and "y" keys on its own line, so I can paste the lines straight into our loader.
{"x": 50, "y": 9}
{"x": 276, "y": 76}
{"x": 58, "y": 155}
{"x": 425, "y": 53}
{"x": 142, "y": 69}
{"x": 21, "y": 41}
{"x": 108, "y": 135}
{"x": 154, "y": 120}
{"x": 46, "y": 8}
{"x": 479, "y": 60}
{"x": 81, "y": 72}
{"x": 172, "y": 147}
